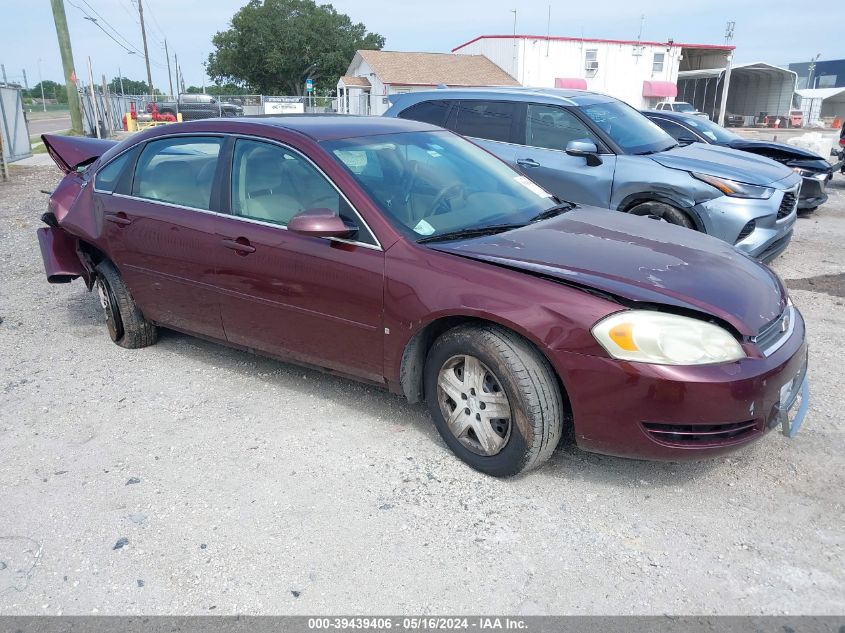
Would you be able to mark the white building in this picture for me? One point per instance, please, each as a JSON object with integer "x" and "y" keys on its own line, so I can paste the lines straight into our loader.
{"x": 640, "y": 73}
{"x": 373, "y": 75}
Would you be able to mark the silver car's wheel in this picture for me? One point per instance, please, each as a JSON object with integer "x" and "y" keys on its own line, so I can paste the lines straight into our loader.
{"x": 475, "y": 407}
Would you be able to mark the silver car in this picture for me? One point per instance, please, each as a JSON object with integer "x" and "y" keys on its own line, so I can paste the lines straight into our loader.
{"x": 593, "y": 149}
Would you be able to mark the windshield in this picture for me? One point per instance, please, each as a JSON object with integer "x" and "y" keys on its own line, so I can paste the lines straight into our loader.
{"x": 432, "y": 183}
{"x": 708, "y": 129}
{"x": 629, "y": 129}
{"x": 683, "y": 106}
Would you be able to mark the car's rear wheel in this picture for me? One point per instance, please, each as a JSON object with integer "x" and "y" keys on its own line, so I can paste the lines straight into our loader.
{"x": 662, "y": 212}
{"x": 126, "y": 324}
{"x": 494, "y": 398}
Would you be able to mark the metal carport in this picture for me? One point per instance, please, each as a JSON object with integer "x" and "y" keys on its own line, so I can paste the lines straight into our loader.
{"x": 753, "y": 88}
{"x": 822, "y": 103}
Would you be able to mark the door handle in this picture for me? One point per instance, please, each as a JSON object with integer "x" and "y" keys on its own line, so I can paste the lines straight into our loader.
{"x": 118, "y": 218}
{"x": 527, "y": 162}
{"x": 240, "y": 245}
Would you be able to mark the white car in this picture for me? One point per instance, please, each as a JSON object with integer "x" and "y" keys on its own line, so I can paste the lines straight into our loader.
{"x": 680, "y": 106}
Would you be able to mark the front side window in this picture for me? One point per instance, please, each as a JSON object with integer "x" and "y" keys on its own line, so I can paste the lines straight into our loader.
{"x": 429, "y": 183}
{"x": 107, "y": 178}
{"x": 657, "y": 63}
{"x": 673, "y": 129}
{"x": 628, "y": 128}
{"x": 178, "y": 170}
{"x": 491, "y": 120}
{"x": 272, "y": 184}
{"x": 713, "y": 131}
{"x": 553, "y": 127}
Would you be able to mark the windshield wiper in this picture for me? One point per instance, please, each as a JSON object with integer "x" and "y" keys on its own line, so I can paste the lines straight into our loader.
{"x": 551, "y": 212}
{"x": 478, "y": 231}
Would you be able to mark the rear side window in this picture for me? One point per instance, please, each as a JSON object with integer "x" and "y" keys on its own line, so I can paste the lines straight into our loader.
{"x": 492, "y": 120}
{"x": 178, "y": 171}
{"x": 433, "y": 112}
{"x": 107, "y": 178}
{"x": 552, "y": 127}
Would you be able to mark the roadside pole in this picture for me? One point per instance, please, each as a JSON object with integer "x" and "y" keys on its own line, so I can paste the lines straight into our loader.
{"x": 726, "y": 80}
{"x": 169, "y": 76}
{"x": 94, "y": 99}
{"x": 41, "y": 83}
{"x": 63, "y": 35}
{"x": 146, "y": 52}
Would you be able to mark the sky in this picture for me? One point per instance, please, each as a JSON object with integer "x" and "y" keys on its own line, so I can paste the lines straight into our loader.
{"x": 774, "y": 31}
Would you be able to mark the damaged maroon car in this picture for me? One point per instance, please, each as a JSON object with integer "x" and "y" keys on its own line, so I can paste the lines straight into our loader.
{"x": 400, "y": 254}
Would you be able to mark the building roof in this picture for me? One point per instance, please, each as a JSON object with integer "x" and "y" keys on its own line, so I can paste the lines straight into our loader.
{"x": 556, "y": 38}
{"x": 820, "y": 93}
{"x": 355, "y": 82}
{"x": 432, "y": 69}
{"x": 759, "y": 67}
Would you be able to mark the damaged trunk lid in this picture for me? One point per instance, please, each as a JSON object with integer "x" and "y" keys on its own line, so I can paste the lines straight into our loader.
{"x": 72, "y": 152}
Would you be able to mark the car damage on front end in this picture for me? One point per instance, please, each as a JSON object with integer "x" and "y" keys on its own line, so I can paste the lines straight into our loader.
{"x": 640, "y": 405}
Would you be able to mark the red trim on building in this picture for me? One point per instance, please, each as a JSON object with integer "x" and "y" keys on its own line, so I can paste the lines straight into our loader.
{"x": 557, "y": 38}
{"x": 575, "y": 83}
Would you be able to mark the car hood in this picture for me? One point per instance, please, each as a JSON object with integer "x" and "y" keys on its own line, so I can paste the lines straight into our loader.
{"x": 723, "y": 162}
{"x": 782, "y": 153}
{"x": 639, "y": 260}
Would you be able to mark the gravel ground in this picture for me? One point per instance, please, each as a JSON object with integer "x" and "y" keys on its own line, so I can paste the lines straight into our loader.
{"x": 237, "y": 484}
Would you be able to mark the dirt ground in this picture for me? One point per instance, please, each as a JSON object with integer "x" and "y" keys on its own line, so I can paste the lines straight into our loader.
{"x": 189, "y": 478}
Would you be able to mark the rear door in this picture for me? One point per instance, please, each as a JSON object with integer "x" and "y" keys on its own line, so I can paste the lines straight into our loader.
{"x": 317, "y": 300}
{"x": 159, "y": 227}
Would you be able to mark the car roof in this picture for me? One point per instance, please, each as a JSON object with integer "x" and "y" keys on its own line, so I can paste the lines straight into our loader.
{"x": 324, "y": 127}
{"x": 561, "y": 96}
{"x": 670, "y": 114}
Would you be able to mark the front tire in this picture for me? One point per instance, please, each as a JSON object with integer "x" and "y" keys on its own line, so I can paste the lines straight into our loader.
{"x": 494, "y": 398}
{"x": 126, "y": 325}
{"x": 664, "y": 212}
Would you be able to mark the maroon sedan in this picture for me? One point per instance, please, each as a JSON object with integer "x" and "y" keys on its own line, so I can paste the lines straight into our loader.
{"x": 400, "y": 254}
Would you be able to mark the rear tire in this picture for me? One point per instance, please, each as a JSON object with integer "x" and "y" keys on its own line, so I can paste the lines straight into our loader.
{"x": 127, "y": 326}
{"x": 511, "y": 378}
{"x": 664, "y": 212}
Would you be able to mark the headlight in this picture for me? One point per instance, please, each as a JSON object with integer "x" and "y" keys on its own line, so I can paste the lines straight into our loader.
{"x": 665, "y": 339}
{"x": 735, "y": 189}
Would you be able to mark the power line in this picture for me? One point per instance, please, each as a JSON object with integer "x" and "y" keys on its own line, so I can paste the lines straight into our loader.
{"x": 128, "y": 46}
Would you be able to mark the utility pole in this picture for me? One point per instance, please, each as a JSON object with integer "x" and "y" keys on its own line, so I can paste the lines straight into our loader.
{"x": 176, "y": 63}
{"x": 3, "y": 70}
{"x": 811, "y": 69}
{"x": 25, "y": 82}
{"x": 120, "y": 74}
{"x": 169, "y": 76}
{"x": 146, "y": 51}
{"x": 726, "y": 80}
{"x": 41, "y": 83}
{"x": 63, "y": 35}
{"x": 94, "y": 99}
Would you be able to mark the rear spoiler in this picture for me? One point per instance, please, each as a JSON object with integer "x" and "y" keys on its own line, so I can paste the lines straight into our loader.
{"x": 70, "y": 152}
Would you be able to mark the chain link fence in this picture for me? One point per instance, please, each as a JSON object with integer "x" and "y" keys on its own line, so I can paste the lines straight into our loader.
{"x": 14, "y": 135}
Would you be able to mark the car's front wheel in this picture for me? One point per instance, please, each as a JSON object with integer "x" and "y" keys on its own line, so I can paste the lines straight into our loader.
{"x": 663, "y": 212}
{"x": 126, "y": 324}
{"x": 494, "y": 398}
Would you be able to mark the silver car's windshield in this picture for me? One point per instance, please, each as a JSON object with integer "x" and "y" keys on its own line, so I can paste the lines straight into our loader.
{"x": 628, "y": 128}
{"x": 433, "y": 183}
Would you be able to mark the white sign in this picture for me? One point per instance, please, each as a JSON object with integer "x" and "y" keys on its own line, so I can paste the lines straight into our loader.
{"x": 283, "y": 105}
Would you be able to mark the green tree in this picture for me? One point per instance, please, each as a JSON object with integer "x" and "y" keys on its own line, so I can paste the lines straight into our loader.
{"x": 221, "y": 89}
{"x": 130, "y": 87}
{"x": 52, "y": 90}
{"x": 273, "y": 46}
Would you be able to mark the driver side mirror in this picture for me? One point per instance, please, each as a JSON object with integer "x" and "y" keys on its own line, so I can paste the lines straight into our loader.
{"x": 319, "y": 223}
{"x": 687, "y": 140}
{"x": 585, "y": 148}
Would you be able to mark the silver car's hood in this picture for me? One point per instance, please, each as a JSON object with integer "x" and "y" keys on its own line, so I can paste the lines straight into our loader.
{"x": 723, "y": 162}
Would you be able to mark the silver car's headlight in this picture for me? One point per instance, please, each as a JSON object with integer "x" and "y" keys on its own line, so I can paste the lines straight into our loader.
{"x": 665, "y": 339}
{"x": 736, "y": 189}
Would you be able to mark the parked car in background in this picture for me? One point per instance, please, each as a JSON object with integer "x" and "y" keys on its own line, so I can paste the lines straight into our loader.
{"x": 680, "y": 106}
{"x": 407, "y": 257}
{"x": 814, "y": 170}
{"x": 593, "y": 149}
{"x": 198, "y": 106}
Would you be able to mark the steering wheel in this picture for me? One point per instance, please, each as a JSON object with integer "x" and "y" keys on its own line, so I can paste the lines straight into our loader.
{"x": 446, "y": 193}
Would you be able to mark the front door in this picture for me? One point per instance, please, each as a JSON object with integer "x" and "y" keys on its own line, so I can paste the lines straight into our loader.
{"x": 316, "y": 300}
{"x": 161, "y": 234}
{"x": 548, "y": 130}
